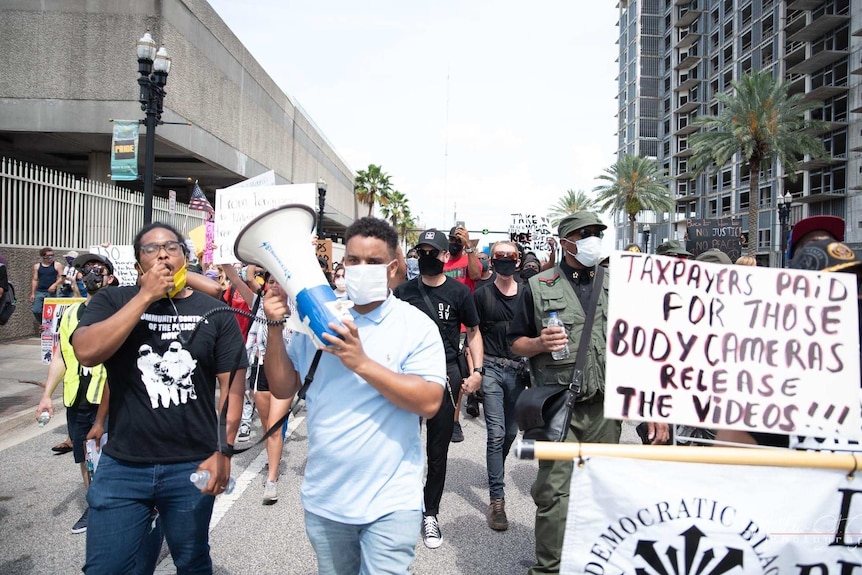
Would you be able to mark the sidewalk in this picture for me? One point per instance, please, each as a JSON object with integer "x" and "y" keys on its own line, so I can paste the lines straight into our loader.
{"x": 22, "y": 375}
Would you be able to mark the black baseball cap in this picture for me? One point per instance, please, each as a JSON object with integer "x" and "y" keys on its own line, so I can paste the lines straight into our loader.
{"x": 84, "y": 259}
{"x": 435, "y": 238}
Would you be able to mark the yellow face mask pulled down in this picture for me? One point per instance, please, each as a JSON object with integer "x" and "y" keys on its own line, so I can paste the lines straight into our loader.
{"x": 179, "y": 281}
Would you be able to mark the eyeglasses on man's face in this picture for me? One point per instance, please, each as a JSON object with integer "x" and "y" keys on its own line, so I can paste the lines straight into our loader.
{"x": 171, "y": 248}
{"x": 432, "y": 253}
{"x": 48, "y": 256}
{"x": 588, "y": 233}
{"x": 97, "y": 269}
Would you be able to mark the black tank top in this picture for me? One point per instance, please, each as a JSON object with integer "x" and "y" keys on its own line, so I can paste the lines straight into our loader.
{"x": 46, "y": 278}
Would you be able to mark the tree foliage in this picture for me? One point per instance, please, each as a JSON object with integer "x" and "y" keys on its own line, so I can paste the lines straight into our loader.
{"x": 570, "y": 203}
{"x": 634, "y": 184}
{"x": 760, "y": 122}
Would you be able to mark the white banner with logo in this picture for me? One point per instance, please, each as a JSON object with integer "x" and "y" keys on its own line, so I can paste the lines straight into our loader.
{"x": 665, "y": 518}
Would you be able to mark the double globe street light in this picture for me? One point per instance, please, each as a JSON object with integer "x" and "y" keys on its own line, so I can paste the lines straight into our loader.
{"x": 153, "y": 67}
{"x": 783, "y": 203}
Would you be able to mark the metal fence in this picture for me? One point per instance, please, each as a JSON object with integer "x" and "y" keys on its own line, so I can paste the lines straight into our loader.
{"x": 43, "y": 207}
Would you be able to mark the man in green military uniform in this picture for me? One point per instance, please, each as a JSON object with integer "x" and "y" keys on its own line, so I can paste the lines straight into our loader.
{"x": 566, "y": 289}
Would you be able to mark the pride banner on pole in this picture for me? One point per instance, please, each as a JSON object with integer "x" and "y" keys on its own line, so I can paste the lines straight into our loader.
{"x": 124, "y": 150}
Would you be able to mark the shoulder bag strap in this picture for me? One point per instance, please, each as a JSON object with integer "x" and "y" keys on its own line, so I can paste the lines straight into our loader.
{"x": 586, "y": 336}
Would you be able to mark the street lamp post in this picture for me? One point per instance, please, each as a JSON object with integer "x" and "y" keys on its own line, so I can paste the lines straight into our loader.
{"x": 646, "y": 232}
{"x": 784, "y": 203}
{"x": 321, "y": 201}
{"x": 153, "y": 67}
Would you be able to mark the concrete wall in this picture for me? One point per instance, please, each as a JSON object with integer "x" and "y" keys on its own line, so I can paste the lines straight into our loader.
{"x": 20, "y": 270}
{"x": 69, "y": 66}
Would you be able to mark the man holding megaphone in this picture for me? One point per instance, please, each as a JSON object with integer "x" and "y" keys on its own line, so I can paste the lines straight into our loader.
{"x": 386, "y": 368}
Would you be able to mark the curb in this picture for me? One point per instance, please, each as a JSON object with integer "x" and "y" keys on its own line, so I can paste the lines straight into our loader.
{"x": 24, "y": 418}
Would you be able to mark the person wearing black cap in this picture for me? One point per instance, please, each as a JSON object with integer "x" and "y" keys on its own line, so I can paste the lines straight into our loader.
{"x": 449, "y": 304}
{"x": 566, "y": 289}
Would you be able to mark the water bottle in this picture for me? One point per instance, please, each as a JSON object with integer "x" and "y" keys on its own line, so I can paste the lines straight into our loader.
{"x": 554, "y": 321}
{"x": 201, "y": 478}
{"x": 44, "y": 418}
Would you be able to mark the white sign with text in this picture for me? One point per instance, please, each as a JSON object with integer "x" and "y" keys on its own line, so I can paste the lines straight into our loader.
{"x": 237, "y": 206}
{"x": 733, "y": 347}
{"x": 123, "y": 259}
{"x": 531, "y": 231}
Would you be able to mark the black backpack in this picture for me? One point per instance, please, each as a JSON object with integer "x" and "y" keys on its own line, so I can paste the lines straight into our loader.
{"x": 7, "y": 304}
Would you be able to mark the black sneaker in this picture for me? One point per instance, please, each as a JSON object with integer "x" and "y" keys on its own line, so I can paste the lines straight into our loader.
{"x": 457, "y": 433}
{"x": 80, "y": 525}
{"x": 472, "y": 405}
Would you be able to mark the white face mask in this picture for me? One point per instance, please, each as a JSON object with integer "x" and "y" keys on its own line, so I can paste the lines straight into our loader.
{"x": 340, "y": 283}
{"x": 589, "y": 251}
{"x": 367, "y": 283}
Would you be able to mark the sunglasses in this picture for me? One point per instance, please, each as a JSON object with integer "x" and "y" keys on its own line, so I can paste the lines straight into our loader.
{"x": 96, "y": 269}
{"x": 505, "y": 256}
{"x": 433, "y": 253}
{"x": 592, "y": 233}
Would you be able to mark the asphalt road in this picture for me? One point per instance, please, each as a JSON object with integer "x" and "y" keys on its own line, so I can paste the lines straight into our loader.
{"x": 41, "y": 496}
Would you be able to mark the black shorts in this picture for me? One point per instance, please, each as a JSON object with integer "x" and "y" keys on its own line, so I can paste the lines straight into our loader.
{"x": 257, "y": 378}
{"x": 79, "y": 420}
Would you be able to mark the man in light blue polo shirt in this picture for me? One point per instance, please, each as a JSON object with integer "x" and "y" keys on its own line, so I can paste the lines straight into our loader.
{"x": 362, "y": 489}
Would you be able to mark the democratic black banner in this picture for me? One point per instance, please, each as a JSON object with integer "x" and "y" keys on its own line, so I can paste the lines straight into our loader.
{"x": 723, "y": 233}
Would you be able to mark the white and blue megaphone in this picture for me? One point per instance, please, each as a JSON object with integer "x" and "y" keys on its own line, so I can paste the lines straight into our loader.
{"x": 280, "y": 242}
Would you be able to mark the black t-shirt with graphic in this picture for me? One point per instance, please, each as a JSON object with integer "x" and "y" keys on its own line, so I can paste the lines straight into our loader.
{"x": 495, "y": 314}
{"x": 453, "y": 304}
{"x": 162, "y": 405}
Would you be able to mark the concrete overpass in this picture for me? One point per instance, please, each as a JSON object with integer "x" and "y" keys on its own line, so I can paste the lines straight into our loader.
{"x": 69, "y": 66}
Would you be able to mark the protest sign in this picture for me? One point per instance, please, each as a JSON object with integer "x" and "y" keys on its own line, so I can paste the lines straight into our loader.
{"x": 662, "y": 517}
{"x": 722, "y": 233}
{"x": 123, "y": 259}
{"x": 323, "y": 249}
{"x": 236, "y": 206}
{"x": 531, "y": 231}
{"x": 52, "y": 311}
{"x": 733, "y": 347}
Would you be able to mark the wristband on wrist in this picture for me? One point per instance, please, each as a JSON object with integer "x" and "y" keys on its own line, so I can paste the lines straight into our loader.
{"x": 226, "y": 450}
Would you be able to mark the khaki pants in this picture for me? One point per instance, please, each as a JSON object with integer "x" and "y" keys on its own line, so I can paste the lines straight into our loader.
{"x": 551, "y": 490}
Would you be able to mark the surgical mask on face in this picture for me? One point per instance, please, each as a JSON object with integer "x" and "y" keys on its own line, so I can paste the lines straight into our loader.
{"x": 212, "y": 274}
{"x": 179, "y": 281}
{"x": 340, "y": 283}
{"x": 367, "y": 283}
{"x": 430, "y": 266}
{"x": 504, "y": 267}
{"x": 589, "y": 251}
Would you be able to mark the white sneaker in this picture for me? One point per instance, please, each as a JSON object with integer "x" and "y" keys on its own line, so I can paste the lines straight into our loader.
{"x": 270, "y": 492}
{"x": 431, "y": 534}
{"x": 244, "y": 432}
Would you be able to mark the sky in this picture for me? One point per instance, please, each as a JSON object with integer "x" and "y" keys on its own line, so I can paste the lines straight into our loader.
{"x": 477, "y": 109}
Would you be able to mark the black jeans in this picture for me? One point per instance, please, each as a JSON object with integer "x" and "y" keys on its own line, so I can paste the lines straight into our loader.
{"x": 439, "y": 434}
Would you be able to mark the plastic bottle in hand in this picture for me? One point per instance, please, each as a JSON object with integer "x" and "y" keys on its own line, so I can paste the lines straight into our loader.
{"x": 555, "y": 321}
{"x": 44, "y": 418}
{"x": 201, "y": 478}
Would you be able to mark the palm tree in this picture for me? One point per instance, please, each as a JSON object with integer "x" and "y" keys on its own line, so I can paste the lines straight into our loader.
{"x": 395, "y": 207}
{"x": 371, "y": 186}
{"x": 634, "y": 184}
{"x": 570, "y": 203}
{"x": 762, "y": 123}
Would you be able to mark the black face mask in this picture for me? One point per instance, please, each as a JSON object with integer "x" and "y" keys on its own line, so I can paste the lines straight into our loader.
{"x": 430, "y": 266}
{"x": 504, "y": 267}
{"x": 527, "y": 273}
{"x": 455, "y": 249}
{"x": 93, "y": 282}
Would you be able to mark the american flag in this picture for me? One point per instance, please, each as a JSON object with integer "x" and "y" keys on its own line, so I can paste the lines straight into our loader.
{"x": 199, "y": 201}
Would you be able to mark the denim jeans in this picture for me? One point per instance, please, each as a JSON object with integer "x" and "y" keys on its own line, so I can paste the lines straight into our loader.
{"x": 502, "y": 388}
{"x": 122, "y": 497}
{"x": 385, "y": 546}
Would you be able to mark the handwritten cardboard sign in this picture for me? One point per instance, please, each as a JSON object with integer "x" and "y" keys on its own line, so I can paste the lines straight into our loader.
{"x": 722, "y": 233}
{"x": 733, "y": 347}
{"x": 123, "y": 259}
{"x": 237, "y": 206}
{"x": 531, "y": 231}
